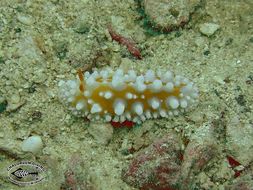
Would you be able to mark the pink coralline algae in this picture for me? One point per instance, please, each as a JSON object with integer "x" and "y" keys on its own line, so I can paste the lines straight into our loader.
{"x": 165, "y": 166}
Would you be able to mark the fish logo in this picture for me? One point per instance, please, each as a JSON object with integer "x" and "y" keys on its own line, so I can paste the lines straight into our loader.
{"x": 20, "y": 173}
{"x": 26, "y": 173}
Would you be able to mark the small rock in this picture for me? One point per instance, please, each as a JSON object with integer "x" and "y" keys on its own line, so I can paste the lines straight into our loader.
{"x": 201, "y": 150}
{"x": 15, "y": 98}
{"x": 168, "y": 15}
{"x": 208, "y": 29}
{"x": 39, "y": 76}
{"x": 14, "y": 102}
{"x": 32, "y": 144}
{"x": 102, "y": 132}
{"x": 24, "y": 19}
{"x": 157, "y": 166}
{"x": 239, "y": 142}
{"x": 196, "y": 158}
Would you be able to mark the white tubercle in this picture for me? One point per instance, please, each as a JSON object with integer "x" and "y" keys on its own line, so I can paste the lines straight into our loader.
{"x": 169, "y": 87}
{"x": 156, "y": 85}
{"x": 167, "y": 77}
{"x": 91, "y": 82}
{"x": 96, "y": 108}
{"x": 183, "y": 103}
{"x": 139, "y": 84}
{"x": 163, "y": 113}
{"x": 149, "y": 76}
{"x": 116, "y": 118}
{"x": 148, "y": 114}
{"x": 108, "y": 95}
{"x": 122, "y": 118}
{"x": 138, "y": 108}
{"x": 118, "y": 82}
{"x": 86, "y": 93}
{"x": 129, "y": 95}
{"x": 80, "y": 105}
{"x": 131, "y": 75}
{"x": 154, "y": 103}
{"x": 178, "y": 79}
{"x": 104, "y": 74}
{"x": 86, "y": 75}
{"x": 173, "y": 102}
{"x": 108, "y": 118}
{"x": 119, "y": 107}
{"x": 128, "y": 116}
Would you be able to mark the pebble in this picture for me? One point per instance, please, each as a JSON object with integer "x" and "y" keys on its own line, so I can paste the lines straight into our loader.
{"x": 15, "y": 98}
{"x": 24, "y": 19}
{"x": 157, "y": 166}
{"x": 32, "y": 144}
{"x": 101, "y": 132}
{"x": 39, "y": 76}
{"x": 208, "y": 29}
{"x": 239, "y": 141}
{"x": 14, "y": 102}
{"x": 169, "y": 15}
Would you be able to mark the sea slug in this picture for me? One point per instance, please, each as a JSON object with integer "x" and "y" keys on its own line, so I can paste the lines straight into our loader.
{"x": 119, "y": 96}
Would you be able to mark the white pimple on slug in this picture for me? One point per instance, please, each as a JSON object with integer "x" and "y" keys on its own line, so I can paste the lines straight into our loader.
{"x": 118, "y": 82}
{"x": 143, "y": 118}
{"x": 169, "y": 87}
{"x": 178, "y": 80}
{"x": 122, "y": 118}
{"x": 163, "y": 113}
{"x": 90, "y": 101}
{"x": 183, "y": 103}
{"x": 116, "y": 118}
{"x": 138, "y": 108}
{"x": 96, "y": 108}
{"x": 80, "y": 105}
{"x": 156, "y": 85}
{"x": 131, "y": 75}
{"x": 108, "y": 118}
{"x": 149, "y": 76}
{"x": 139, "y": 85}
{"x": 119, "y": 107}
{"x": 86, "y": 75}
{"x": 155, "y": 115}
{"x": 128, "y": 115}
{"x": 148, "y": 114}
{"x": 104, "y": 74}
{"x": 91, "y": 82}
{"x": 154, "y": 103}
{"x": 173, "y": 102}
{"x": 167, "y": 77}
{"x": 86, "y": 93}
{"x": 129, "y": 95}
{"x": 70, "y": 99}
{"x": 108, "y": 95}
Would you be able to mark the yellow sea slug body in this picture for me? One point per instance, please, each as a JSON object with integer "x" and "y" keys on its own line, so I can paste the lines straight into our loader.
{"x": 119, "y": 96}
